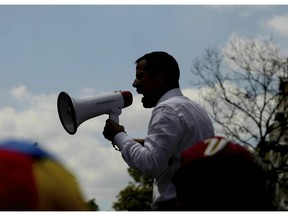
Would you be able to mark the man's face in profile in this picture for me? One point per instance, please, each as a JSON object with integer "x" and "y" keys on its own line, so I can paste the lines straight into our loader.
{"x": 147, "y": 85}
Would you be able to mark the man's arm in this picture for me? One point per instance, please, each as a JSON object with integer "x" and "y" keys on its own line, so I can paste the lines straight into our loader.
{"x": 112, "y": 129}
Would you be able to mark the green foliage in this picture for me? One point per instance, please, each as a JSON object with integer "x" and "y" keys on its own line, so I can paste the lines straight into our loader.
{"x": 92, "y": 205}
{"x": 137, "y": 196}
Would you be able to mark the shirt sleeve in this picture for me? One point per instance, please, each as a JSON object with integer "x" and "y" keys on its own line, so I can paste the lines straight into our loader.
{"x": 162, "y": 139}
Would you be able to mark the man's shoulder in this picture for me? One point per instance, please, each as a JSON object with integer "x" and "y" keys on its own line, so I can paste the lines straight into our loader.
{"x": 176, "y": 101}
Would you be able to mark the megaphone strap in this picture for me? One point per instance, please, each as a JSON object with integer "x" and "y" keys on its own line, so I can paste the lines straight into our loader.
{"x": 115, "y": 147}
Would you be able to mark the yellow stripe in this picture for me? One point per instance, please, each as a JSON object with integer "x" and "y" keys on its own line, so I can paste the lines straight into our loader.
{"x": 57, "y": 188}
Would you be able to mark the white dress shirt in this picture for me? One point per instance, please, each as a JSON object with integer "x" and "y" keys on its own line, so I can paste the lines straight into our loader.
{"x": 176, "y": 123}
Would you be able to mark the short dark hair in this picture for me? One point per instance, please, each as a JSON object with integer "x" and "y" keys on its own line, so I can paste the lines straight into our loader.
{"x": 160, "y": 61}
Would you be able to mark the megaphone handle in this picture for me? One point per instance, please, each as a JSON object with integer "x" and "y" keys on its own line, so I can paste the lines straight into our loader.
{"x": 114, "y": 117}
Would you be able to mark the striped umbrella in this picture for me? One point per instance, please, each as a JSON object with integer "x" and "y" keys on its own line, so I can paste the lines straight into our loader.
{"x": 33, "y": 179}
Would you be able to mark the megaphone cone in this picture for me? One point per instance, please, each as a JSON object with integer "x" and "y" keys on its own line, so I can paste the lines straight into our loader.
{"x": 72, "y": 112}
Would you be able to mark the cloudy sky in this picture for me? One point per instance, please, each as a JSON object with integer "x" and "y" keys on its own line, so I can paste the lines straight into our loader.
{"x": 89, "y": 50}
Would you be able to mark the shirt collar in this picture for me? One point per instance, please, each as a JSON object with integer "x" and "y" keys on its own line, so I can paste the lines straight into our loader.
{"x": 169, "y": 94}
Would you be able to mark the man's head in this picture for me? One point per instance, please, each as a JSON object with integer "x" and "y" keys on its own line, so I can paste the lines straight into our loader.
{"x": 219, "y": 175}
{"x": 156, "y": 73}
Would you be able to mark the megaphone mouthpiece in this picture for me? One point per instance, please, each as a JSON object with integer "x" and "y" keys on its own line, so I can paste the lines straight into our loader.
{"x": 128, "y": 98}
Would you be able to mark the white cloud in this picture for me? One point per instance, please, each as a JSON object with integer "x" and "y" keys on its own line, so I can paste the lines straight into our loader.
{"x": 240, "y": 52}
{"x": 19, "y": 92}
{"x": 100, "y": 170}
{"x": 279, "y": 24}
{"x": 87, "y": 92}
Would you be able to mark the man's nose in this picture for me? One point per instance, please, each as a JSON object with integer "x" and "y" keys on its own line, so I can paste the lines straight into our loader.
{"x": 135, "y": 83}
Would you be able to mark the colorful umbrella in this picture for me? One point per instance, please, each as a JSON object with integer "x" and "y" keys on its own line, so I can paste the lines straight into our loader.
{"x": 33, "y": 179}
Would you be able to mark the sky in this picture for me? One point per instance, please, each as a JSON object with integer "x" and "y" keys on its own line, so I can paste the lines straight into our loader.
{"x": 88, "y": 50}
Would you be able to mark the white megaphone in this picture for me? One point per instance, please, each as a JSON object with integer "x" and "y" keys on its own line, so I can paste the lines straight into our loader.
{"x": 72, "y": 112}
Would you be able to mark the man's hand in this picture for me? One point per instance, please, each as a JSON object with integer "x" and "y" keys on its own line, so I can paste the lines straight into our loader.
{"x": 111, "y": 129}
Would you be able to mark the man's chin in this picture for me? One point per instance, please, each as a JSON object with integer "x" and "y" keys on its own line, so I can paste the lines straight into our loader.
{"x": 147, "y": 103}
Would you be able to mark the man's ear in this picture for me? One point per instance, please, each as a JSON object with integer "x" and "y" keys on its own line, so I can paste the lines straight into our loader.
{"x": 162, "y": 77}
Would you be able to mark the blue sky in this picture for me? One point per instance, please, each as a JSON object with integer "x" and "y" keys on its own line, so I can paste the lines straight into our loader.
{"x": 50, "y": 48}
{"x": 91, "y": 49}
